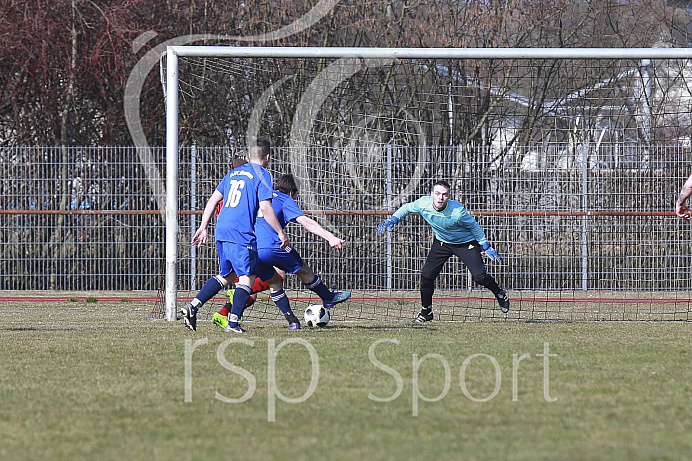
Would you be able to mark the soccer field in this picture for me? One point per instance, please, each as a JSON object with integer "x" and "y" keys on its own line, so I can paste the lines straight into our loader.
{"x": 96, "y": 380}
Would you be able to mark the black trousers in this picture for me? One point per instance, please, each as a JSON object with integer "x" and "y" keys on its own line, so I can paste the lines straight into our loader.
{"x": 469, "y": 253}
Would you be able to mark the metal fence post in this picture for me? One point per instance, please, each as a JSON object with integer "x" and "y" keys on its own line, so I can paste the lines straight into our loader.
{"x": 585, "y": 219}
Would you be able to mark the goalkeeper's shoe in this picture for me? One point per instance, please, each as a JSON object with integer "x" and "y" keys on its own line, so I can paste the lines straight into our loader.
{"x": 502, "y": 300}
{"x": 189, "y": 316}
{"x": 425, "y": 315}
{"x": 220, "y": 320}
{"x": 339, "y": 297}
{"x": 235, "y": 329}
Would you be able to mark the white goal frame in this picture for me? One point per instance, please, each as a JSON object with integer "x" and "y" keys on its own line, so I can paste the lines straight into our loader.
{"x": 173, "y": 54}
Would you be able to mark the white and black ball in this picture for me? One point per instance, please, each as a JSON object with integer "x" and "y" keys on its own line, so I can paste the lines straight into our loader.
{"x": 316, "y": 315}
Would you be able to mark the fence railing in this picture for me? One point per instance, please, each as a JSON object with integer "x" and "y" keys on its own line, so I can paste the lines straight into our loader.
{"x": 85, "y": 219}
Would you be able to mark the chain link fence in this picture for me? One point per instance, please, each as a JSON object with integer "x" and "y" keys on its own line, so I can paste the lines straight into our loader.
{"x": 86, "y": 219}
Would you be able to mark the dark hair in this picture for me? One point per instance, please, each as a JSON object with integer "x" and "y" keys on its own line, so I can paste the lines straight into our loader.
{"x": 237, "y": 161}
{"x": 286, "y": 183}
{"x": 442, "y": 183}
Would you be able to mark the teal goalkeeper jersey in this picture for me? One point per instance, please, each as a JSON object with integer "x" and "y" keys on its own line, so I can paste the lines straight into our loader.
{"x": 452, "y": 225}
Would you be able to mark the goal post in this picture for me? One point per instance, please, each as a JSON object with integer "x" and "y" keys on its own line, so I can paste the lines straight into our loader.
{"x": 561, "y": 133}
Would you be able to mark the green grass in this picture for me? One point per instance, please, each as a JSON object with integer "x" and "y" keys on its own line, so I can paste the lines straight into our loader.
{"x": 98, "y": 381}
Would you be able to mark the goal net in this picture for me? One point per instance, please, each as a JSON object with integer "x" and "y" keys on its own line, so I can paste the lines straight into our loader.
{"x": 570, "y": 160}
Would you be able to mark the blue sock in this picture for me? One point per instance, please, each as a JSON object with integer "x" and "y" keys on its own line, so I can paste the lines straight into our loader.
{"x": 282, "y": 302}
{"x": 317, "y": 286}
{"x": 240, "y": 297}
{"x": 208, "y": 291}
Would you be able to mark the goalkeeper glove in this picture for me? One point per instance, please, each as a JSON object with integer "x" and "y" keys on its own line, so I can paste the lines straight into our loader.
{"x": 492, "y": 253}
{"x": 387, "y": 224}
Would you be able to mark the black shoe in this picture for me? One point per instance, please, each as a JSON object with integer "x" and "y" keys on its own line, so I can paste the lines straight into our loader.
{"x": 292, "y": 320}
{"x": 502, "y": 300}
{"x": 422, "y": 317}
{"x": 189, "y": 315}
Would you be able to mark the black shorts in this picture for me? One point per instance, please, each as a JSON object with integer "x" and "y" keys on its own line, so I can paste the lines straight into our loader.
{"x": 469, "y": 253}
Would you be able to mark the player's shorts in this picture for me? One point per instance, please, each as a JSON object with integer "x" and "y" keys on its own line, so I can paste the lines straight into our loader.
{"x": 287, "y": 258}
{"x": 242, "y": 260}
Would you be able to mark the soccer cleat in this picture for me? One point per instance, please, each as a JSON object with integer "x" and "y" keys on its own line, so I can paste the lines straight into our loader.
{"x": 339, "y": 297}
{"x": 422, "y": 317}
{"x": 294, "y": 326}
{"x": 235, "y": 329}
{"x": 502, "y": 300}
{"x": 189, "y": 316}
{"x": 229, "y": 295}
{"x": 220, "y": 320}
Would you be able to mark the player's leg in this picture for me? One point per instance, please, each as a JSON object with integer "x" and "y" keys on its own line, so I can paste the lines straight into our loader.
{"x": 278, "y": 295}
{"x": 470, "y": 255}
{"x": 437, "y": 256}
{"x": 257, "y": 287}
{"x": 244, "y": 262}
{"x": 220, "y": 318}
{"x": 292, "y": 262}
{"x": 212, "y": 286}
{"x": 314, "y": 283}
{"x": 282, "y": 261}
{"x": 241, "y": 295}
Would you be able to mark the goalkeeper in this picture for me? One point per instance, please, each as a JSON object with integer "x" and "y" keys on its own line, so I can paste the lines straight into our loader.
{"x": 456, "y": 233}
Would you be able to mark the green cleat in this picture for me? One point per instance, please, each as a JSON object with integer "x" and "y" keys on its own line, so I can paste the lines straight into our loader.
{"x": 220, "y": 320}
{"x": 229, "y": 295}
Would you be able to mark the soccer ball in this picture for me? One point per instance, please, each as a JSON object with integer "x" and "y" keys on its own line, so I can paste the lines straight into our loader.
{"x": 316, "y": 315}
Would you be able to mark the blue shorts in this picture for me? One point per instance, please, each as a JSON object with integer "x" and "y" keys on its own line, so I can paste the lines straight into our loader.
{"x": 243, "y": 260}
{"x": 286, "y": 259}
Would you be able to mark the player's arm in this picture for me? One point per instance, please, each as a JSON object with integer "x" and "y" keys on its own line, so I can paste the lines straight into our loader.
{"x": 314, "y": 227}
{"x": 479, "y": 234}
{"x": 270, "y": 217}
{"x": 403, "y": 211}
{"x": 681, "y": 209}
{"x": 200, "y": 236}
{"x": 468, "y": 221}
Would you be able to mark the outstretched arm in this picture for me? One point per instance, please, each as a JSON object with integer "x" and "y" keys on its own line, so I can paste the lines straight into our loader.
{"x": 314, "y": 227}
{"x": 681, "y": 209}
{"x": 387, "y": 224}
{"x": 398, "y": 215}
{"x": 200, "y": 236}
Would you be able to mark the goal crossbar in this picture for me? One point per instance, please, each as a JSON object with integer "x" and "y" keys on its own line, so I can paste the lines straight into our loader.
{"x": 430, "y": 53}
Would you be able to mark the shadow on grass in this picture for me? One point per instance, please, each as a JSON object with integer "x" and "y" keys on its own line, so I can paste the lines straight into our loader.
{"x": 403, "y": 326}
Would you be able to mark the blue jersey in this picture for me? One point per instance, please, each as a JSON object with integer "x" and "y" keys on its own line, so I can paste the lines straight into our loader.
{"x": 452, "y": 225}
{"x": 243, "y": 189}
{"x": 287, "y": 210}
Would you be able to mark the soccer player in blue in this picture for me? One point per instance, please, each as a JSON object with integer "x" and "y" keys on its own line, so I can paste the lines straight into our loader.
{"x": 247, "y": 190}
{"x": 456, "y": 233}
{"x": 287, "y": 259}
